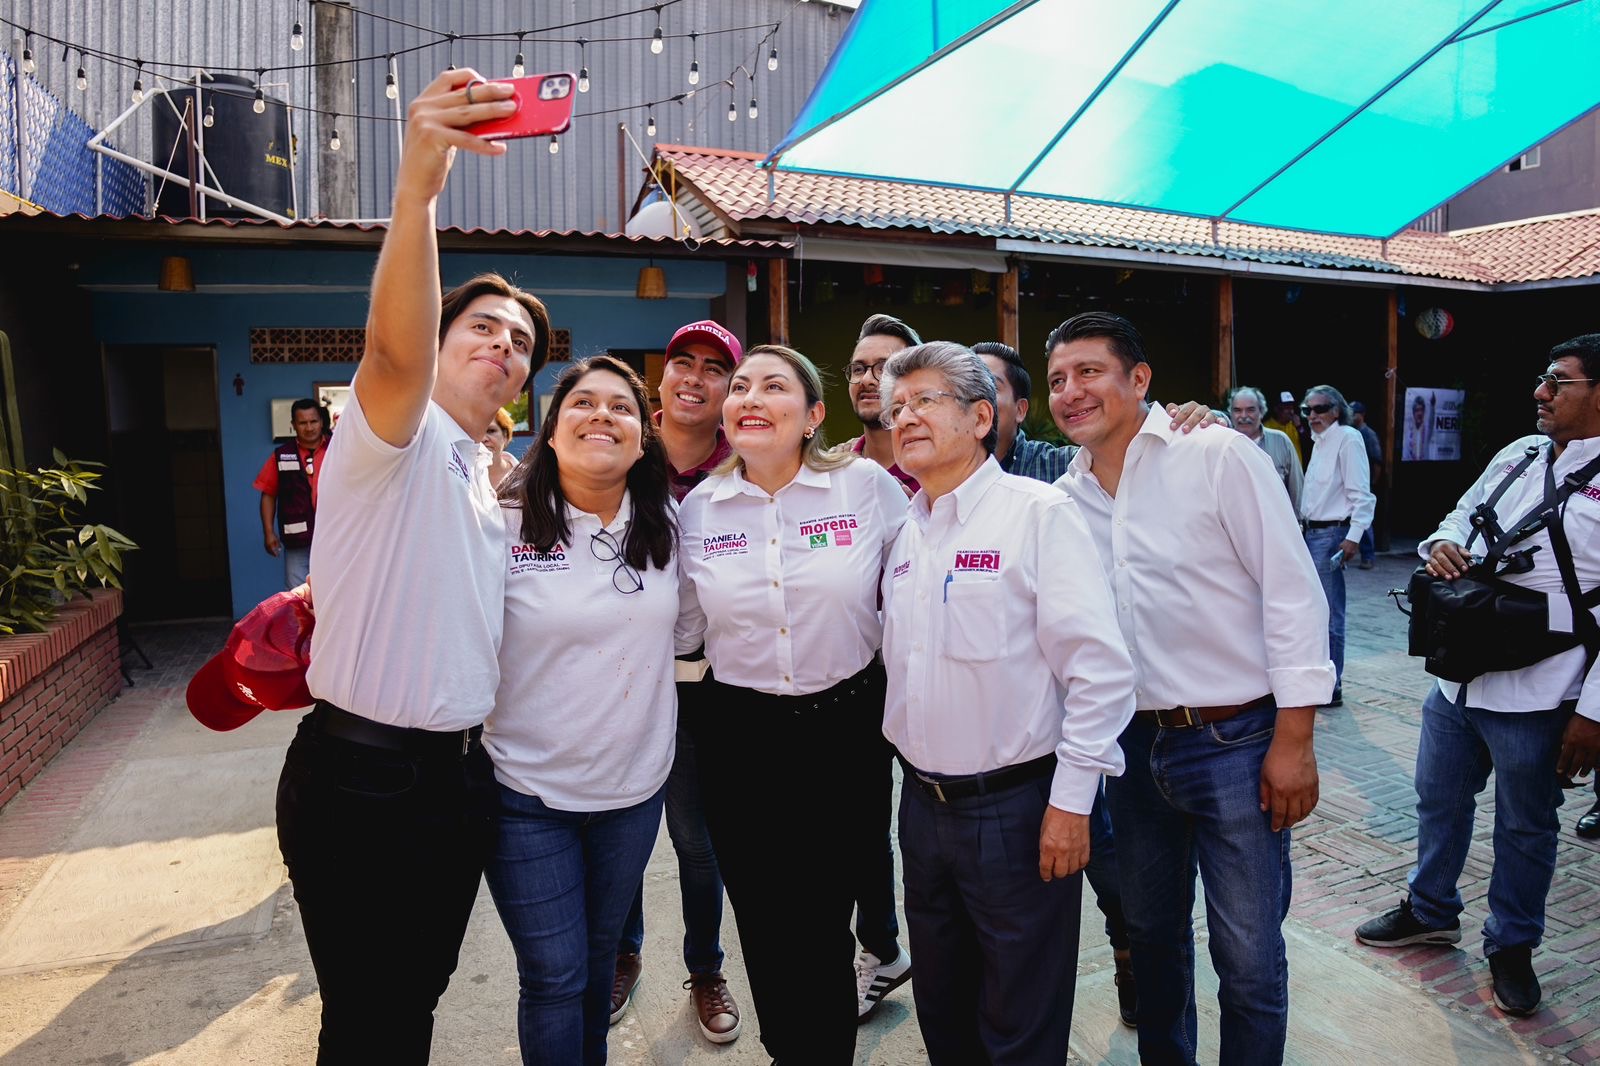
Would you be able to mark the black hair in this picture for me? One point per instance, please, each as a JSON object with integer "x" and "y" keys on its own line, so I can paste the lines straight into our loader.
{"x": 888, "y": 326}
{"x": 1016, "y": 374}
{"x": 312, "y": 405}
{"x": 454, "y": 303}
{"x": 1120, "y": 335}
{"x": 535, "y": 485}
{"x": 1586, "y": 347}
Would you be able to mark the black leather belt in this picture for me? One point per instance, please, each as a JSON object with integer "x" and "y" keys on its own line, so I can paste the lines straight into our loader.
{"x": 1327, "y": 525}
{"x": 337, "y": 722}
{"x": 945, "y": 789}
{"x": 1195, "y": 717}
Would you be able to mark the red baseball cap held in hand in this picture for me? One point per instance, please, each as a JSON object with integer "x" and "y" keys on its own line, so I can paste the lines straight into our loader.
{"x": 261, "y": 668}
{"x": 707, "y": 332}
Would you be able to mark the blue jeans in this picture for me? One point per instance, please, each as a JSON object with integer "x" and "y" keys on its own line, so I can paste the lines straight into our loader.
{"x": 1322, "y": 543}
{"x": 1459, "y": 747}
{"x": 1101, "y": 873}
{"x": 1189, "y": 799}
{"x": 699, "y": 883}
{"x": 296, "y": 566}
{"x": 563, "y": 882}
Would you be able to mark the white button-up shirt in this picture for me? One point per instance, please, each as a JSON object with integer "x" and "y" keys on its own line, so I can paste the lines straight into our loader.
{"x": 999, "y": 638}
{"x": 1549, "y": 683}
{"x": 1339, "y": 480}
{"x": 1216, "y": 595}
{"x": 786, "y": 586}
{"x": 587, "y": 712}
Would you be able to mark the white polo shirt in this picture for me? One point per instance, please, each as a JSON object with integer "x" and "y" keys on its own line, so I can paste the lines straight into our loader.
{"x": 587, "y": 712}
{"x": 409, "y": 582}
{"x": 1216, "y": 595}
{"x": 788, "y": 584}
{"x": 1000, "y": 639}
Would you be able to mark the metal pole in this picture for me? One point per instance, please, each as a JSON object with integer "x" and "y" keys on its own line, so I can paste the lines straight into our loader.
{"x": 200, "y": 135}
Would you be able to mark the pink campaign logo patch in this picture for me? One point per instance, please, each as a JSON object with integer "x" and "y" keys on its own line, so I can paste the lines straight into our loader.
{"x": 722, "y": 545}
{"x": 980, "y": 562}
{"x": 836, "y": 530}
{"x": 902, "y": 570}
{"x": 528, "y": 559}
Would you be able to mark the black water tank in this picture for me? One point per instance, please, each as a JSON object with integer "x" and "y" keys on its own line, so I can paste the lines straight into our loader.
{"x": 248, "y": 153}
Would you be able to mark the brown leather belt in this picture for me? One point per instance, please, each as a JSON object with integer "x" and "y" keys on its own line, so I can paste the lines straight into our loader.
{"x": 1195, "y": 717}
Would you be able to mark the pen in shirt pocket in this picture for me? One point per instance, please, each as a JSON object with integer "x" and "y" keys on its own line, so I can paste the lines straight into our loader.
{"x": 949, "y": 576}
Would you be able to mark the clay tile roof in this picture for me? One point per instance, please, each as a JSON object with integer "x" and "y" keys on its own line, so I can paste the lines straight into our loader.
{"x": 735, "y": 186}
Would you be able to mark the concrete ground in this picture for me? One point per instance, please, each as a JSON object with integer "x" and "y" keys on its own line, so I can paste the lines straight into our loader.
{"x": 144, "y": 916}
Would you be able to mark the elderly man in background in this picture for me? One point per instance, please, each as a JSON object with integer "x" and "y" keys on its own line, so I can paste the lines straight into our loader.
{"x": 1008, "y": 684}
{"x": 1337, "y": 505}
{"x": 1248, "y": 408}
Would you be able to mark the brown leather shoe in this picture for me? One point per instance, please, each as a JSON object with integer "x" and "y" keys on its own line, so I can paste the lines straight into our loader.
{"x": 714, "y": 1007}
{"x": 630, "y": 968}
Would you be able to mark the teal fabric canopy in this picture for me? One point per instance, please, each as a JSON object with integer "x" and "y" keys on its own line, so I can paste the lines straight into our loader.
{"x": 1337, "y": 116}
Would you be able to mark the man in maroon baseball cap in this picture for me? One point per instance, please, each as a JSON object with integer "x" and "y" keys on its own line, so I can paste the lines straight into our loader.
{"x": 261, "y": 668}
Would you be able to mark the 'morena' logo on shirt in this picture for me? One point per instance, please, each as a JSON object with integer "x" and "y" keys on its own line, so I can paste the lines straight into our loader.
{"x": 984, "y": 562}
{"x": 528, "y": 559}
{"x": 839, "y": 529}
{"x": 721, "y": 545}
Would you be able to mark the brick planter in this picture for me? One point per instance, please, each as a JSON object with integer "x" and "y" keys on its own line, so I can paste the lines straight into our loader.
{"x": 53, "y": 683}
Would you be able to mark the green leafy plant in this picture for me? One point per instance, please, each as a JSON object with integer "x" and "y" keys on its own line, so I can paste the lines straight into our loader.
{"x": 46, "y": 554}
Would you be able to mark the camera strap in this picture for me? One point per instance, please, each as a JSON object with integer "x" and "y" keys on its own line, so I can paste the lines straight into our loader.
{"x": 1484, "y": 522}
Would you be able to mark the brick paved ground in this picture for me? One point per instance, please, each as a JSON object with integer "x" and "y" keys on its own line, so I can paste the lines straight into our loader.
{"x": 1352, "y": 856}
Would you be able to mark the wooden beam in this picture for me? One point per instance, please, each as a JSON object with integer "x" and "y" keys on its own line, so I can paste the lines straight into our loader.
{"x": 778, "y": 301}
{"x": 1391, "y": 384}
{"x": 1007, "y": 322}
{"x": 1222, "y": 355}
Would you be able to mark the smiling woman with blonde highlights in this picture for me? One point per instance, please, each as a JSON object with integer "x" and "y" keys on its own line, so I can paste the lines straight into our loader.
{"x": 583, "y": 728}
{"x": 782, "y": 549}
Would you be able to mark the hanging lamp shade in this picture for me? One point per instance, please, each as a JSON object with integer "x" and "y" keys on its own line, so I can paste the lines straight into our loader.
{"x": 652, "y": 283}
{"x": 176, "y": 274}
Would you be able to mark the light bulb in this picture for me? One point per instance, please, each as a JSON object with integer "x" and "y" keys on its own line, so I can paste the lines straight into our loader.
{"x": 694, "y": 73}
{"x": 28, "y": 64}
{"x": 138, "y": 91}
{"x": 519, "y": 68}
{"x": 733, "y": 112}
{"x": 555, "y": 145}
{"x": 390, "y": 89}
{"x": 211, "y": 116}
{"x": 260, "y": 106}
{"x": 83, "y": 80}
{"x": 583, "y": 80}
{"x": 772, "y": 60}
{"x": 650, "y": 126}
{"x": 297, "y": 37}
{"x": 754, "y": 111}
{"x": 658, "y": 42}
{"x": 334, "y": 144}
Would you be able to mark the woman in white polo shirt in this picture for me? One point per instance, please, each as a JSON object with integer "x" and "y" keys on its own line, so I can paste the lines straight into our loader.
{"x": 782, "y": 550}
{"x": 583, "y": 731}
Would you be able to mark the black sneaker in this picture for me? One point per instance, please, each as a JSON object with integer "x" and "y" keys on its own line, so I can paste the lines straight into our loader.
{"x": 1400, "y": 927}
{"x": 1127, "y": 993}
{"x": 1516, "y": 989}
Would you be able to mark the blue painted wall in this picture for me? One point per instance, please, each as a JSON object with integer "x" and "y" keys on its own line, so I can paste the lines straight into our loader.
{"x": 593, "y": 298}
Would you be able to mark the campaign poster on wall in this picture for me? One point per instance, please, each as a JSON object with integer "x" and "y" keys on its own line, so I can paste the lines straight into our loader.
{"x": 1431, "y": 425}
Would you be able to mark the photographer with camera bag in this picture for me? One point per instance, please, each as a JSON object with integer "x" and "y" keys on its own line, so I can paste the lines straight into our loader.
{"x": 1534, "y": 716}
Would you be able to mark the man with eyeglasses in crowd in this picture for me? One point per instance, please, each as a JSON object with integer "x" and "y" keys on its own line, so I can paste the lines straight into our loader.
{"x": 1530, "y": 726}
{"x": 1336, "y": 505}
{"x": 881, "y": 336}
{"x": 1248, "y": 407}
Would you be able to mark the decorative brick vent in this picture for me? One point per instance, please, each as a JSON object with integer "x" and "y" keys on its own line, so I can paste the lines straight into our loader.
{"x": 295, "y": 345}
{"x": 53, "y": 683}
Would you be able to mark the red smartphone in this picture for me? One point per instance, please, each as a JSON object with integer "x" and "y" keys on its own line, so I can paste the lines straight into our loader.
{"x": 544, "y": 106}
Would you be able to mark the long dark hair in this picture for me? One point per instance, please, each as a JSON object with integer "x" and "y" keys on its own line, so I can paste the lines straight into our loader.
{"x": 535, "y": 485}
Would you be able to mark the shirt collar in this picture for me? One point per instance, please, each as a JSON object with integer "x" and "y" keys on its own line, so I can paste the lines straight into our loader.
{"x": 1315, "y": 436}
{"x": 580, "y": 519}
{"x": 1578, "y": 452}
{"x": 736, "y": 484}
{"x": 966, "y": 495}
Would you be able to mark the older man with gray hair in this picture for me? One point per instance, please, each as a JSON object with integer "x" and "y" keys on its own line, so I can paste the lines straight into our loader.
{"x": 1008, "y": 684}
{"x": 1248, "y": 408}
{"x": 1336, "y": 505}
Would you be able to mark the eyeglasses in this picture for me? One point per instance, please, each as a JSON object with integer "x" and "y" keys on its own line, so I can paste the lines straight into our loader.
{"x": 1316, "y": 408}
{"x": 604, "y": 547}
{"x": 856, "y": 371}
{"x": 1554, "y": 383}
{"x": 919, "y": 405}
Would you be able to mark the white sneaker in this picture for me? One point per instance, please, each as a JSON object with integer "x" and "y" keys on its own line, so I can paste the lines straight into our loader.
{"x": 876, "y": 979}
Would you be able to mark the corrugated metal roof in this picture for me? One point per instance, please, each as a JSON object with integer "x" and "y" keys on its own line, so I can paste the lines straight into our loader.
{"x": 733, "y": 184}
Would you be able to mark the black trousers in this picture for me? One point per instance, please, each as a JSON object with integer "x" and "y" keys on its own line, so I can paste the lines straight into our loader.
{"x": 779, "y": 778}
{"x": 877, "y": 927}
{"x": 385, "y": 850}
{"x": 994, "y": 949}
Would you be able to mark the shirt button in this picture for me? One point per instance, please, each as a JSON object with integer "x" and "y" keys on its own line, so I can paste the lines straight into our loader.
{"x": 783, "y": 631}
{"x": 774, "y": 540}
{"x": 786, "y": 678}
{"x": 774, "y": 584}
{"x": 916, "y": 647}
{"x": 1122, "y": 521}
{"x": 1124, "y": 607}
{"x": 1122, "y": 562}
